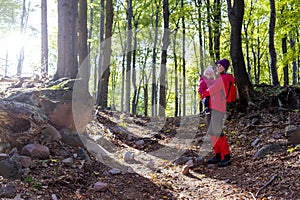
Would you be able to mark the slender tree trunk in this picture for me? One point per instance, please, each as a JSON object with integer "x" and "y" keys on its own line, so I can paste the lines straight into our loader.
{"x": 145, "y": 84}
{"x": 154, "y": 86}
{"x": 103, "y": 101}
{"x": 44, "y": 45}
{"x": 294, "y": 64}
{"x": 135, "y": 96}
{"x": 286, "y": 67}
{"x": 210, "y": 34}
{"x": 259, "y": 56}
{"x": 123, "y": 78}
{"x": 183, "y": 64}
{"x": 101, "y": 56}
{"x": 163, "y": 68}
{"x": 272, "y": 50}
{"x": 90, "y": 33}
{"x": 82, "y": 43}
{"x": 176, "y": 111}
{"x": 217, "y": 28}
{"x": 123, "y": 69}
{"x": 201, "y": 47}
{"x": 128, "y": 55}
{"x": 246, "y": 29}
{"x": 200, "y": 39}
{"x": 247, "y": 51}
{"x": 23, "y": 27}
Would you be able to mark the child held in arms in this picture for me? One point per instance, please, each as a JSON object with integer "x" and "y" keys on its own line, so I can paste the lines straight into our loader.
{"x": 206, "y": 81}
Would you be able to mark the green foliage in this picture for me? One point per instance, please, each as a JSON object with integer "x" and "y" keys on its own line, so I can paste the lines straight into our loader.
{"x": 9, "y": 14}
{"x": 30, "y": 180}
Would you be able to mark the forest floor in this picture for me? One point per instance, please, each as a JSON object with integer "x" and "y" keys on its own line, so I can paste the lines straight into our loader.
{"x": 152, "y": 145}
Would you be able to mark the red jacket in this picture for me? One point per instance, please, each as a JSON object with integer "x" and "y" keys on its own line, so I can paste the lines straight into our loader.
{"x": 218, "y": 91}
{"x": 204, "y": 84}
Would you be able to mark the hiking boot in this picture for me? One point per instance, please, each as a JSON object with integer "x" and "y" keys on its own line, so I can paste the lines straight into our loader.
{"x": 215, "y": 159}
{"x": 207, "y": 111}
{"x": 226, "y": 161}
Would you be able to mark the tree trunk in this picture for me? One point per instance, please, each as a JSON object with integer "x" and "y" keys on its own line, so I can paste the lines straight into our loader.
{"x": 294, "y": 64}
{"x": 67, "y": 63}
{"x": 272, "y": 50}
{"x": 163, "y": 68}
{"x": 145, "y": 84}
{"x": 176, "y": 111}
{"x": 198, "y": 4}
{"x": 246, "y": 29}
{"x": 23, "y": 27}
{"x": 90, "y": 32}
{"x": 154, "y": 87}
{"x": 103, "y": 101}
{"x": 236, "y": 14}
{"x": 128, "y": 55}
{"x": 44, "y": 35}
{"x": 100, "y": 61}
{"x": 82, "y": 43}
{"x": 210, "y": 34}
{"x": 183, "y": 64}
{"x": 285, "y": 68}
{"x": 217, "y": 28}
{"x": 200, "y": 39}
{"x": 123, "y": 69}
{"x": 135, "y": 96}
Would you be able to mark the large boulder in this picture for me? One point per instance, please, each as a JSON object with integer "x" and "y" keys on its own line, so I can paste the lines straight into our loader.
{"x": 294, "y": 137}
{"x": 19, "y": 122}
{"x": 66, "y": 103}
{"x": 25, "y": 112}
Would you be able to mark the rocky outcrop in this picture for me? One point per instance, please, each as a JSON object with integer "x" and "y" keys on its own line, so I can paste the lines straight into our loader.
{"x": 25, "y": 113}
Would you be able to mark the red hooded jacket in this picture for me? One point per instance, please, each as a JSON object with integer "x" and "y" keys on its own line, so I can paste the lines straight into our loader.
{"x": 217, "y": 92}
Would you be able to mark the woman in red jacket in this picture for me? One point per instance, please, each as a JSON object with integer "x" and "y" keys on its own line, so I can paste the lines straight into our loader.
{"x": 215, "y": 120}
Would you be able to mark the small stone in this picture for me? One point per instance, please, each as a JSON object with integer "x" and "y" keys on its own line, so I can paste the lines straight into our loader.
{"x": 36, "y": 151}
{"x": 150, "y": 164}
{"x": 100, "y": 186}
{"x": 276, "y": 135}
{"x": 290, "y": 129}
{"x": 255, "y": 142}
{"x": 130, "y": 137}
{"x": 114, "y": 171}
{"x": 9, "y": 191}
{"x": 140, "y": 142}
{"x": 199, "y": 161}
{"x": 68, "y": 161}
{"x": 128, "y": 156}
{"x": 190, "y": 163}
{"x": 53, "y": 197}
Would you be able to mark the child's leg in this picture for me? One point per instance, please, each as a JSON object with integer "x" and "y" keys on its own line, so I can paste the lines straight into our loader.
{"x": 206, "y": 105}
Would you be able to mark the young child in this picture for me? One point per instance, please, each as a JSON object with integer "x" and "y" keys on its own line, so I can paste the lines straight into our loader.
{"x": 206, "y": 81}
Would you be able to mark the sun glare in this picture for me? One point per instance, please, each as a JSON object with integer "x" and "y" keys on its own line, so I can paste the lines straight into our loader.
{"x": 10, "y": 49}
{"x": 13, "y": 43}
